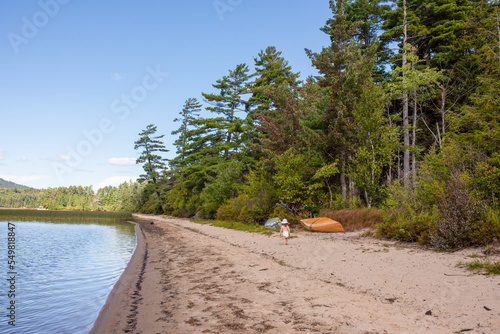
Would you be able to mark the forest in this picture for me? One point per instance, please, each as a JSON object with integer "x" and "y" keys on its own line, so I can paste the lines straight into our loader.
{"x": 403, "y": 116}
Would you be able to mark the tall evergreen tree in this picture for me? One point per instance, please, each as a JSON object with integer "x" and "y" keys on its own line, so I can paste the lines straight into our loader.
{"x": 368, "y": 15}
{"x": 340, "y": 65}
{"x": 214, "y": 146}
{"x": 478, "y": 123}
{"x": 229, "y": 102}
{"x": 433, "y": 26}
{"x": 189, "y": 115}
{"x": 271, "y": 70}
{"x": 153, "y": 162}
{"x": 416, "y": 27}
{"x": 274, "y": 79}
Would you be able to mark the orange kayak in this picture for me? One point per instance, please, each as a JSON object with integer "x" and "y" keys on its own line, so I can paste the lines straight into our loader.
{"x": 322, "y": 224}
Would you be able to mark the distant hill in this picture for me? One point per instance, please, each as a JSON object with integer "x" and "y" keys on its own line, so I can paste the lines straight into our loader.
{"x": 8, "y": 184}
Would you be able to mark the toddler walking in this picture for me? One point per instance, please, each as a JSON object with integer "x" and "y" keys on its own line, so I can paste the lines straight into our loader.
{"x": 285, "y": 231}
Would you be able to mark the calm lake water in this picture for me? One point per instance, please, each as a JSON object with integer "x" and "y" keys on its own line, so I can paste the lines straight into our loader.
{"x": 65, "y": 272}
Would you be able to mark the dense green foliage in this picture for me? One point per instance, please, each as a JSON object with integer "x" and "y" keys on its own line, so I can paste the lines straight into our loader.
{"x": 126, "y": 197}
{"x": 152, "y": 161}
{"x": 403, "y": 115}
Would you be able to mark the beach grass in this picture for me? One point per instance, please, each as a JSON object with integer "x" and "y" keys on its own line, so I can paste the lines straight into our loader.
{"x": 63, "y": 215}
{"x": 252, "y": 228}
{"x": 354, "y": 219}
{"x": 483, "y": 266}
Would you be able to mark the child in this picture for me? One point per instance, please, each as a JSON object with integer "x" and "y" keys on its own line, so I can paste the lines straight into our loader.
{"x": 285, "y": 231}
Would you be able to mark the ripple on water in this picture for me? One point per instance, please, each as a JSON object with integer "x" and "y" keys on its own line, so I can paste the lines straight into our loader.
{"x": 65, "y": 273}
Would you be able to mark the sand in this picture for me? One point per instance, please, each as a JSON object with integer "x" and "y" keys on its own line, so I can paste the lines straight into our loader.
{"x": 190, "y": 278}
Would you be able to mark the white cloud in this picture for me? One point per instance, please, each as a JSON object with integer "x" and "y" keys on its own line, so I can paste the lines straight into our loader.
{"x": 2, "y": 154}
{"x": 23, "y": 159}
{"x": 117, "y": 76}
{"x": 63, "y": 158}
{"x": 122, "y": 161}
{"x": 114, "y": 181}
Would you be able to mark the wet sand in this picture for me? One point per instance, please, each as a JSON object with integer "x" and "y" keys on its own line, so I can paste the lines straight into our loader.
{"x": 190, "y": 278}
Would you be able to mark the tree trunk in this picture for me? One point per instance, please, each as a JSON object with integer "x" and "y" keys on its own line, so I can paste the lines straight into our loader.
{"x": 331, "y": 194}
{"x": 158, "y": 195}
{"x": 352, "y": 193}
{"x": 231, "y": 121}
{"x": 498, "y": 32}
{"x": 368, "y": 200}
{"x": 343, "y": 183}
{"x": 406, "y": 142}
{"x": 406, "y": 132}
{"x": 428, "y": 56}
{"x": 399, "y": 165}
{"x": 414, "y": 137}
{"x": 160, "y": 201}
{"x": 389, "y": 173}
{"x": 443, "y": 111}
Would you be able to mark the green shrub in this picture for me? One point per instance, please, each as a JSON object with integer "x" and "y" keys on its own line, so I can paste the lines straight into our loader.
{"x": 283, "y": 213}
{"x": 255, "y": 201}
{"x": 486, "y": 230}
{"x": 252, "y": 213}
{"x": 240, "y": 208}
{"x": 220, "y": 189}
{"x": 408, "y": 226}
{"x": 433, "y": 175}
{"x": 488, "y": 178}
{"x": 458, "y": 213}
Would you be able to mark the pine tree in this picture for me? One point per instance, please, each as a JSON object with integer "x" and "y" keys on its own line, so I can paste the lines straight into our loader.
{"x": 368, "y": 15}
{"x": 189, "y": 115}
{"x": 343, "y": 70}
{"x": 271, "y": 70}
{"x": 428, "y": 30}
{"x": 153, "y": 162}
{"x": 284, "y": 125}
{"x": 478, "y": 123}
{"x": 213, "y": 146}
{"x": 226, "y": 130}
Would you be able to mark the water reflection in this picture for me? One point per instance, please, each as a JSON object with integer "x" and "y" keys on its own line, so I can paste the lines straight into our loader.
{"x": 65, "y": 273}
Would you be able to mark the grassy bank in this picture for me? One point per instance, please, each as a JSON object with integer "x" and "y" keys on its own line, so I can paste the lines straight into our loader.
{"x": 482, "y": 266}
{"x": 24, "y": 214}
{"x": 355, "y": 219}
{"x": 253, "y": 228}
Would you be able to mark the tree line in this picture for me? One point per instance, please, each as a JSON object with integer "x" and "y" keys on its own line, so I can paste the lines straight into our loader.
{"x": 403, "y": 116}
{"x": 128, "y": 196}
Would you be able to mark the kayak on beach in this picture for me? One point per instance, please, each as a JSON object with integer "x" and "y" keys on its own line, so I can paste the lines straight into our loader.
{"x": 322, "y": 224}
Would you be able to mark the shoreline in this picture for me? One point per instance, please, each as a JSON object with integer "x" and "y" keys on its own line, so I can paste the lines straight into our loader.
{"x": 122, "y": 296}
{"x": 191, "y": 278}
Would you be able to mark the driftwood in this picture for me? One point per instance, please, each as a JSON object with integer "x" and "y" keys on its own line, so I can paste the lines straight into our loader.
{"x": 290, "y": 207}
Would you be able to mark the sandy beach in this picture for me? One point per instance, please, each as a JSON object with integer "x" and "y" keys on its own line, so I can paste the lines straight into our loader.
{"x": 190, "y": 278}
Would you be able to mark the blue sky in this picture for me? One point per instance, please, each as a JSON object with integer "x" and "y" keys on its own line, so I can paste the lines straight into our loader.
{"x": 80, "y": 79}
